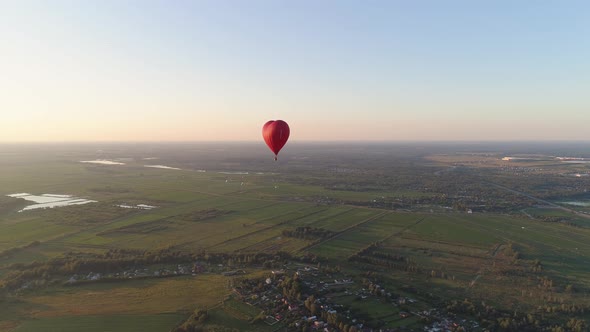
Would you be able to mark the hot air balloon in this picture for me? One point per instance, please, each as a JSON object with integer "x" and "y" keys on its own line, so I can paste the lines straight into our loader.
{"x": 275, "y": 134}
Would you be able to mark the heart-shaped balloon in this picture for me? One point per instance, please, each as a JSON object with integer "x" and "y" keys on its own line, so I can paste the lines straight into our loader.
{"x": 275, "y": 134}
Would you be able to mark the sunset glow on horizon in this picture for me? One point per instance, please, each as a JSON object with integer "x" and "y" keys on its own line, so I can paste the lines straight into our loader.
{"x": 334, "y": 70}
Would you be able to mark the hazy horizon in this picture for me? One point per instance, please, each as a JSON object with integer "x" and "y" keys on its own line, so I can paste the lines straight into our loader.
{"x": 408, "y": 141}
{"x": 150, "y": 71}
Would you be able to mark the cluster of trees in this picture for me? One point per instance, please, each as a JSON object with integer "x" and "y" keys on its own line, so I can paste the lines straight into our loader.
{"x": 564, "y": 308}
{"x": 112, "y": 261}
{"x": 496, "y": 320}
{"x": 117, "y": 260}
{"x": 311, "y": 305}
{"x": 545, "y": 282}
{"x": 333, "y": 318}
{"x": 372, "y": 250}
{"x": 549, "y": 186}
{"x": 309, "y": 233}
{"x": 338, "y": 320}
{"x": 511, "y": 251}
{"x": 559, "y": 219}
{"x": 255, "y": 285}
{"x": 374, "y": 288}
{"x": 575, "y": 325}
{"x": 370, "y": 255}
{"x": 536, "y": 266}
{"x": 202, "y": 215}
{"x": 194, "y": 322}
{"x": 291, "y": 288}
{"x": 461, "y": 188}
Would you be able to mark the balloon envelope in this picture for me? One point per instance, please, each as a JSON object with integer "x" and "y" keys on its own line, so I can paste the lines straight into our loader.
{"x": 275, "y": 134}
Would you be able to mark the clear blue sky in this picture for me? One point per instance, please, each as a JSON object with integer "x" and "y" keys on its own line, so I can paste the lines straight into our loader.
{"x": 335, "y": 70}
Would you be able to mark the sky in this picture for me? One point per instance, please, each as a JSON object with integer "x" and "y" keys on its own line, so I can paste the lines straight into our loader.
{"x": 217, "y": 70}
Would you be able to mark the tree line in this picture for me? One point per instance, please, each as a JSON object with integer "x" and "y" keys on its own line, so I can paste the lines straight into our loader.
{"x": 308, "y": 233}
{"x": 117, "y": 260}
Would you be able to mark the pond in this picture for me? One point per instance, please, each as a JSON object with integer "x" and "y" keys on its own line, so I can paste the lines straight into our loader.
{"x": 50, "y": 200}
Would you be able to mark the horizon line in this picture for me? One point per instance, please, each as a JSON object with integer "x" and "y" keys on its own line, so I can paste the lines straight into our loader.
{"x": 303, "y": 141}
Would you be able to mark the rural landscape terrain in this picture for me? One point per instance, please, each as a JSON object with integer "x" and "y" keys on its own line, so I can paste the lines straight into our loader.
{"x": 331, "y": 237}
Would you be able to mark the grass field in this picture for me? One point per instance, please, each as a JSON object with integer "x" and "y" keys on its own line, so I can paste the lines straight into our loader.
{"x": 222, "y": 211}
{"x": 225, "y": 317}
{"x": 155, "y": 296}
{"x": 106, "y": 323}
{"x": 115, "y": 306}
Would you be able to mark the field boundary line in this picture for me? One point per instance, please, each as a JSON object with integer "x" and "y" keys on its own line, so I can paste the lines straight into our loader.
{"x": 557, "y": 206}
{"x": 379, "y": 215}
{"x": 258, "y": 230}
{"x": 403, "y": 229}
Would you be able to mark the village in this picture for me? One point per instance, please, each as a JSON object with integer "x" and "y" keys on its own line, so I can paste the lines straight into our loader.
{"x": 162, "y": 271}
{"x": 302, "y": 297}
{"x": 136, "y": 273}
{"x": 306, "y": 298}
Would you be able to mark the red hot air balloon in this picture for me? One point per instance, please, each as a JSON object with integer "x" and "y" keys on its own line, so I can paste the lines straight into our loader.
{"x": 276, "y": 134}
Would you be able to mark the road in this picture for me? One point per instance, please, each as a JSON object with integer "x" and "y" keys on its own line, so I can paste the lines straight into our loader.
{"x": 563, "y": 208}
{"x": 345, "y": 230}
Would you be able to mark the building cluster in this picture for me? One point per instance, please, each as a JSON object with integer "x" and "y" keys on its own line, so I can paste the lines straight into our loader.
{"x": 136, "y": 273}
{"x": 311, "y": 303}
{"x": 316, "y": 308}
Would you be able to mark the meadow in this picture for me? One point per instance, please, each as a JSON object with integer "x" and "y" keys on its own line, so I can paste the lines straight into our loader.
{"x": 230, "y": 201}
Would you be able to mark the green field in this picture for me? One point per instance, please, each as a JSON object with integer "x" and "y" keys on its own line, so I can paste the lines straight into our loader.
{"x": 456, "y": 254}
{"x": 138, "y": 323}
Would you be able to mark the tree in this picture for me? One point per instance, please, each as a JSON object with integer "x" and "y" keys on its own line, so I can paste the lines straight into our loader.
{"x": 314, "y": 309}
{"x": 577, "y": 325}
{"x": 309, "y": 301}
